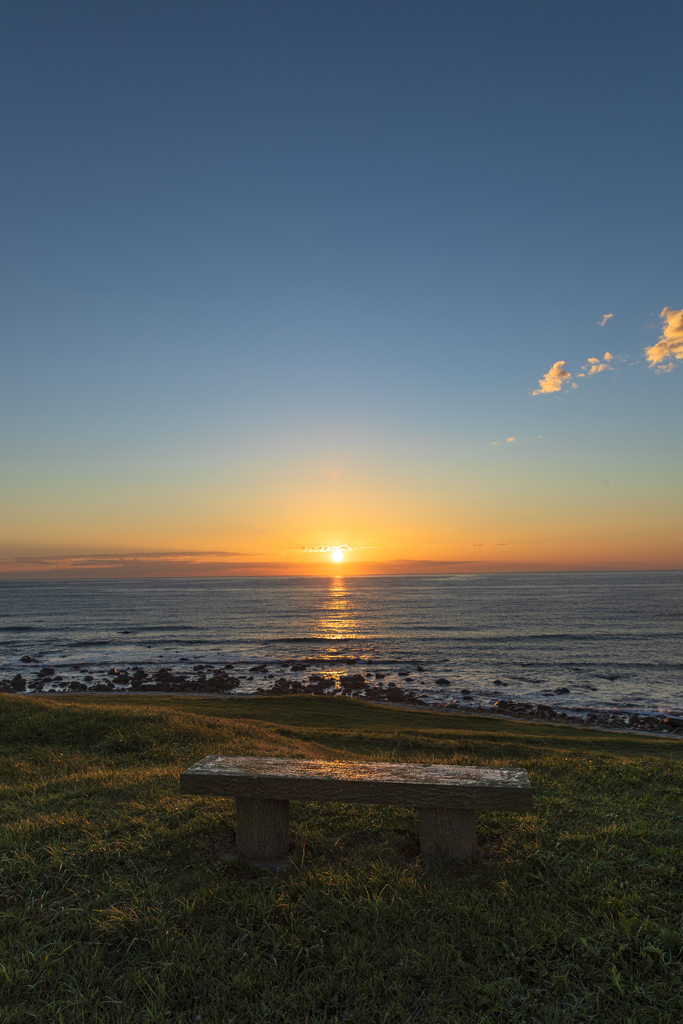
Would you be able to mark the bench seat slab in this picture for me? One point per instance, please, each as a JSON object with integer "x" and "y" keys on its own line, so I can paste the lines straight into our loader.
{"x": 405, "y": 785}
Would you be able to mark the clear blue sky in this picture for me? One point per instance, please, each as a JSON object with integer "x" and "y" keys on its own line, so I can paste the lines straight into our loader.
{"x": 247, "y": 243}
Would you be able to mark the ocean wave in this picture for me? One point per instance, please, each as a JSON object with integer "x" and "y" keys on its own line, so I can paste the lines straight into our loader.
{"x": 166, "y": 629}
{"x": 89, "y": 643}
{"x": 314, "y": 640}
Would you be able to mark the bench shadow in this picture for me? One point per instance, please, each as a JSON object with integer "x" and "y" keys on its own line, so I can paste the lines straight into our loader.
{"x": 354, "y": 849}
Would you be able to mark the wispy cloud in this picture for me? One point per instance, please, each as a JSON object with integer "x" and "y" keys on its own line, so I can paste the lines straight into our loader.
{"x": 606, "y": 317}
{"x": 510, "y": 439}
{"x": 126, "y": 565}
{"x": 109, "y": 560}
{"x": 321, "y": 549}
{"x": 553, "y": 380}
{"x": 670, "y": 346}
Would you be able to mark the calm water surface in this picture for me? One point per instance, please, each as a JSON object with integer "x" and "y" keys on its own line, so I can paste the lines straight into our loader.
{"x": 614, "y": 640}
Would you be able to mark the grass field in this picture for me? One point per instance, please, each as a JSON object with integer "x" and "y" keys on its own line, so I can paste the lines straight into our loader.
{"x": 117, "y": 906}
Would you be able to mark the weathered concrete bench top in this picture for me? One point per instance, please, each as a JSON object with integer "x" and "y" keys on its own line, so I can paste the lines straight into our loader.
{"x": 446, "y": 796}
{"x": 374, "y": 782}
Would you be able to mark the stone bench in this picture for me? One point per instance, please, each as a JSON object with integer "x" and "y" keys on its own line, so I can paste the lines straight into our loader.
{"x": 447, "y": 797}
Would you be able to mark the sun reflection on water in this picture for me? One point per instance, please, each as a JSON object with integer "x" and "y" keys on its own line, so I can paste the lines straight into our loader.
{"x": 339, "y": 619}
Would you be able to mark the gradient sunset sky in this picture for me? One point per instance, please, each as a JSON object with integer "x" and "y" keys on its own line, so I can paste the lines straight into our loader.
{"x": 284, "y": 277}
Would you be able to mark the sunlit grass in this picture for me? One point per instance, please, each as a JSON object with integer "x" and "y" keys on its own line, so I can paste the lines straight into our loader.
{"x": 117, "y": 905}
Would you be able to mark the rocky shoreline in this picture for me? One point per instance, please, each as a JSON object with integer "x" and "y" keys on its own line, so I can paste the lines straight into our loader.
{"x": 305, "y": 677}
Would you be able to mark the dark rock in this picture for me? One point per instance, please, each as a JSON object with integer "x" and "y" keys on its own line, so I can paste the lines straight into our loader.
{"x": 88, "y": 679}
{"x": 380, "y": 675}
{"x": 545, "y": 711}
{"x": 18, "y": 683}
{"x": 675, "y": 723}
{"x": 562, "y": 689}
{"x": 467, "y": 692}
{"x": 403, "y": 672}
{"x": 442, "y": 682}
{"x": 353, "y": 682}
{"x": 499, "y": 682}
{"x": 219, "y": 684}
{"x": 27, "y": 659}
{"x": 46, "y": 671}
{"x": 502, "y": 704}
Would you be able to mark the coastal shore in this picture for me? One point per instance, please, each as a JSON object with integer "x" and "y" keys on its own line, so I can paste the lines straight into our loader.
{"x": 368, "y": 687}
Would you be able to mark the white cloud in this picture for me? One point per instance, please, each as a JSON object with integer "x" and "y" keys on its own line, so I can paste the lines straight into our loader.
{"x": 510, "y": 438}
{"x": 606, "y": 317}
{"x": 553, "y": 380}
{"x": 595, "y": 365}
{"x": 670, "y": 345}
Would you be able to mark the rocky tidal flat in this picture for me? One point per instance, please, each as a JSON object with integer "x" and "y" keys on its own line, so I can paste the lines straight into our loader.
{"x": 353, "y": 677}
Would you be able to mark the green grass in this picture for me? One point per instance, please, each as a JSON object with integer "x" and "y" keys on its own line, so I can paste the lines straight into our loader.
{"x": 117, "y": 906}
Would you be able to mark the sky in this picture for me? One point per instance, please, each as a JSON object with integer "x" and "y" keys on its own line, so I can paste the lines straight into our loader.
{"x": 380, "y": 278}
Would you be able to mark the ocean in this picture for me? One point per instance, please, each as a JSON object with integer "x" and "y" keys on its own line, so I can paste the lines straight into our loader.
{"x": 609, "y": 641}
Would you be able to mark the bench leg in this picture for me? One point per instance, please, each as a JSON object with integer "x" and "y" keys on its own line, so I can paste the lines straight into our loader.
{"x": 445, "y": 832}
{"x": 262, "y": 829}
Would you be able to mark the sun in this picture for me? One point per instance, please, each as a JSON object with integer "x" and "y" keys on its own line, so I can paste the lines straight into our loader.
{"x": 337, "y": 555}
